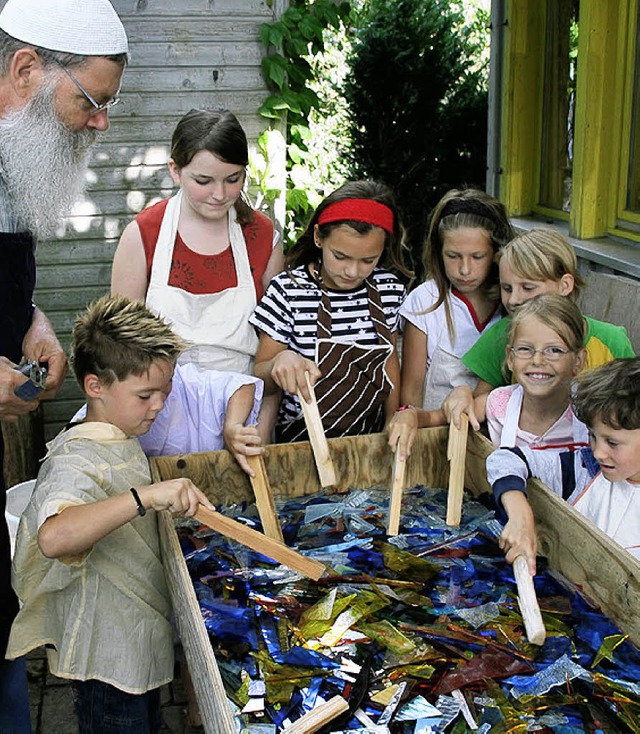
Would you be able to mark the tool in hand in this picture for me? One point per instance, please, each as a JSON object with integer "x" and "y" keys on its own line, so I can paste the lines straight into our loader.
{"x": 36, "y": 375}
{"x": 456, "y": 453}
{"x": 260, "y": 543}
{"x": 528, "y": 602}
{"x": 319, "y": 444}
{"x": 264, "y": 499}
{"x": 397, "y": 488}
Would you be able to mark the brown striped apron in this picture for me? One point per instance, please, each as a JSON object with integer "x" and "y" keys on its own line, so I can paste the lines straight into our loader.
{"x": 354, "y": 385}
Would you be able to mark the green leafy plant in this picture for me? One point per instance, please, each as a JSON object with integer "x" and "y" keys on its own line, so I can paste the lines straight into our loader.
{"x": 292, "y": 42}
{"x": 417, "y": 102}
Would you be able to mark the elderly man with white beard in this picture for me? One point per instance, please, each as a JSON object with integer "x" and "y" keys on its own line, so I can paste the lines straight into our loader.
{"x": 62, "y": 63}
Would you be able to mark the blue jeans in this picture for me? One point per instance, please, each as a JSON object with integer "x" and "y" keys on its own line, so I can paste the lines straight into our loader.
{"x": 104, "y": 709}
{"x": 14, "y": 698}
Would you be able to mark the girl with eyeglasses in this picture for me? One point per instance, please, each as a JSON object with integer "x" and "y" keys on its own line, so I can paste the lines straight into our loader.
{"x": 545, "y": 352}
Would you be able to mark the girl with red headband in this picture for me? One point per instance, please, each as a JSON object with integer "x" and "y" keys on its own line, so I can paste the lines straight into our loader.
{"x": 447, "y": 313}
{"x": 334, "y": 314}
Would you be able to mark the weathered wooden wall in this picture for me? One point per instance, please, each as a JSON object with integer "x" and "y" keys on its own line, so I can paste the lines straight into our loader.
{"x": 184, "y": 54}
{"x": 615, "y": 299}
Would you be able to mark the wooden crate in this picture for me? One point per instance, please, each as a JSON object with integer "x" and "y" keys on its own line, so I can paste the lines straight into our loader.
{"x": 608, "y": 575}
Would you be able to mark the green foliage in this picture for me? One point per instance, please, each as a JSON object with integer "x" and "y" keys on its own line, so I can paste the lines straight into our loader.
{"x": 292, "y": 42}
{"x": 417, "y": 104}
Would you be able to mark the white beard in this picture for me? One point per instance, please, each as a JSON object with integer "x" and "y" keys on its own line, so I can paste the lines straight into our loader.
{"x": 42, "y": 163}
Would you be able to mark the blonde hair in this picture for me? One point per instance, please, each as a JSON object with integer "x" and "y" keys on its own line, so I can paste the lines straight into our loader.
{"x": 559, "y": 313}
{"x": 116, "y": 337}
{"x": 542, "y": 254}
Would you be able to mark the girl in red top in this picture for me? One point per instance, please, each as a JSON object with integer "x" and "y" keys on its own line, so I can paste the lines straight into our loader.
{"x": 203, "y": 258}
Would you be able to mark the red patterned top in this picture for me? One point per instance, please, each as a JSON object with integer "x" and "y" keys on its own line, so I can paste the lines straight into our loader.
{"x": 196, "y": 273}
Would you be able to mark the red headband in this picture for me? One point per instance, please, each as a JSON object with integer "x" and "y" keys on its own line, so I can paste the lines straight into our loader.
{"x": 359, "y": 210}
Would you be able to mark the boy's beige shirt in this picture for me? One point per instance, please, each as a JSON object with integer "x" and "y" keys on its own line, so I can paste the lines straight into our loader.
{"x": 105, "y": 614}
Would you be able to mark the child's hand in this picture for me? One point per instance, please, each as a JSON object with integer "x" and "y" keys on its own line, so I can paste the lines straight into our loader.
{"x": 458, "y": 401}
{"x": 402, "y": 430}
{"x": 243, "y": 441}
{"x": 179, "y": 496}
{"x": 289, "y": 372}
{"x": 519, "y": 535}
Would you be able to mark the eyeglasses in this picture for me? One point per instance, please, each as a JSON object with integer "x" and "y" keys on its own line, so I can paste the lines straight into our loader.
{"x": 97, "y": 108}
{"x": 551, "y": 354}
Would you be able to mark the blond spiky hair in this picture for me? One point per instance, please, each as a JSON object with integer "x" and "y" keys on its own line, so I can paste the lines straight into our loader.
{"x": 116, "y": 337}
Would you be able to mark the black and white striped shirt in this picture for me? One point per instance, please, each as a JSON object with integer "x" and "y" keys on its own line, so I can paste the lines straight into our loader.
{"x": 288, "y": 313}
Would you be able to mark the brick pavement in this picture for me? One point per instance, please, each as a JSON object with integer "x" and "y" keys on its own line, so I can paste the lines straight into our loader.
{"x": 52, "y": 704}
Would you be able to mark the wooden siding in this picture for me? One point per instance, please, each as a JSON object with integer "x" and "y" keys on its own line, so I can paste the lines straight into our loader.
{"x": 184, "y": 54}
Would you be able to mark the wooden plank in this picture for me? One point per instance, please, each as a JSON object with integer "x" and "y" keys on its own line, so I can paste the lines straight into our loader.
{"x": 219, "y": 51}
{"x": 528, "y": 602}
{"x": 191, "y": 78}
{"x": 315, "y": 719}
{"x": 207, "y": 682}
{"x": 75, "y": 251}
{"x": 70, "y": 299}
{"x": 98, "y": 274}
{"x": 177, "y": 102}
{"x": 456, "y": 453}
{"x": 397, "y": 489}
{"x": 154, "y": 129}
{"x": 260, "y": 543}
{"x": 360, "y": 461}
{"x": 317, "y": 437}
{"x": 158, "y": 29}
{"x": 133, "y": 11}
{"x": 264, "y": 499}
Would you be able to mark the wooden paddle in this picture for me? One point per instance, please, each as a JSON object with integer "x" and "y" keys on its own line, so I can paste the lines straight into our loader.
{"x": 264, "y": 499}
{"x": 456, "y": 453}
{"x": 315, "y": 719}
{"x": 528, "y": 602}
{"x": 397, "y": 489}
{"x": 319, "y": 445}
{"x": 260, "y": 543}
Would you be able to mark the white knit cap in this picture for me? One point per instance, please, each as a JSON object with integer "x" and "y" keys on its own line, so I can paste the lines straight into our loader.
{"x": 83, "y": 27}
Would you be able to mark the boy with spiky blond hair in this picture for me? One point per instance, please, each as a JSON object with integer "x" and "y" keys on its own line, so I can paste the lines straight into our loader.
{"x": 87, "y": 567}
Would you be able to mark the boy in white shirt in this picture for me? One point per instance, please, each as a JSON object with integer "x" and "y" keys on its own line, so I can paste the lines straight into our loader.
{"x": 603, "y": 482}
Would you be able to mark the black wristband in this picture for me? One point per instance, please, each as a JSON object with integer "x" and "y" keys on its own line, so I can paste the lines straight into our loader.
{"x": 141, "y": 510}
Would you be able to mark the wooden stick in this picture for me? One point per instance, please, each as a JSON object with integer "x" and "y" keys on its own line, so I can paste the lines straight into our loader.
{"x": 319, "y": 716}
{"x": 397, "y": 489}
{"x": 264, "y": 499}
{"x": 528, "y": 602}
{"x": 319, "y": 445}
{"x": 456, "y": 453}
{"x": 260, "y": 543}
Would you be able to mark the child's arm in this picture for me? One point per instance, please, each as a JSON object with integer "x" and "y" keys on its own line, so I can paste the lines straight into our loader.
{"x": 507, "y": 473}
{"x": 414, "y": 365}
{"x": 279, "y": 367}
{"x": 240, "y": 439}
{"x": 77, "y": 528}
{"x": 518, "y": 537}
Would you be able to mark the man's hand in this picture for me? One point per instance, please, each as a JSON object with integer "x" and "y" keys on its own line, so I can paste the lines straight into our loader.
{"x": 41, "y": 344}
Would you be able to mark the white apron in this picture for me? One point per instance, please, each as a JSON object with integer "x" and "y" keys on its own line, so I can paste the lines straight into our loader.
{"x": 445, "y": 372}
{"x": 512, "y": 417}
{"x": 216, "y": 324}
